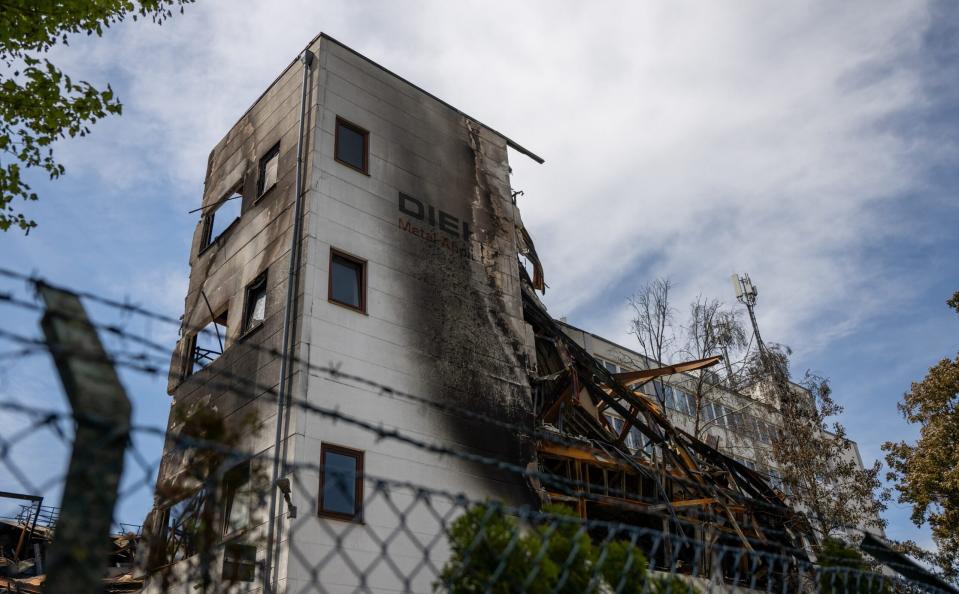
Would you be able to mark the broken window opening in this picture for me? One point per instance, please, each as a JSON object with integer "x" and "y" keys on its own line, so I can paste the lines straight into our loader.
{"x": 182, "y": 526}
{"x": 239, "y": 562}
{"x": 219, "y": 217}
{"x": 238, "y": 498}
{"x": 254, "y": 304}
{"x": 351, "y": 146}
{"x": 341, "y": 483}
{"x": 347, "y": 281}
{"x": 268, "y": 171}
{"x": 208, "y": 344}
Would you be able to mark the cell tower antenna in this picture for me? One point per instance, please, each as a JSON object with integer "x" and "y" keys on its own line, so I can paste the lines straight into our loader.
{"x": 746, "y": 293}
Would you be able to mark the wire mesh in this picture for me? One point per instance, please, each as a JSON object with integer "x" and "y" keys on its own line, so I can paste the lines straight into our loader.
{"x": 341, "y": 528}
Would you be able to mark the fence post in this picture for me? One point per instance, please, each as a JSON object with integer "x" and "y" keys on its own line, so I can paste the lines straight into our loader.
{"x": 77, "y": 558}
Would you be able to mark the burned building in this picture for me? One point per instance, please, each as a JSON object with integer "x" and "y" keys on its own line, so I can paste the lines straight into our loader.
{"x": 356, "y": 231}
{"x": 741, "y": 423}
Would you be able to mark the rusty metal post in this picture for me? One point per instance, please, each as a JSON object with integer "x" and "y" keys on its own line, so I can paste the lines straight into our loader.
{"x": 77, "y": 558}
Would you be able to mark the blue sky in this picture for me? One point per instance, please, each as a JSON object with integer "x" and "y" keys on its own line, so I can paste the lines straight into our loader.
{"x": 813, "y": 146}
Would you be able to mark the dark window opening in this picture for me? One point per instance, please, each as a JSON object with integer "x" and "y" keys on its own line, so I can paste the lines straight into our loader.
{"x": 183, "y": 526}
{"x": 239, "y": 562}
{"x": 207, "y": 345}
{"x": 219, "y": 217}
{"x": 269, "y": 171}
{"x": 237, "y": 498}
{"x": 254, "y": 303}
{"x": 347, "y": 280}
{"x": 341, "y": 482}
{"x": 352, "y": 145}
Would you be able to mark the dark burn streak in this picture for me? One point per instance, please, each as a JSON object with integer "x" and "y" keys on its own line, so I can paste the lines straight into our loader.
{"x": 461, "y": 311}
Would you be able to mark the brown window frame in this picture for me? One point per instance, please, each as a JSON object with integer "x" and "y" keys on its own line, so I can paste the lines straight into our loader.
{"x": 357, "y": 515}
{"x": 335, "y": 253}
{"x": 366, "y": 144}
{"x": 261, "y": 190}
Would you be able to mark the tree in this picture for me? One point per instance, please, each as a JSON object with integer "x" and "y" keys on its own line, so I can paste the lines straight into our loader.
{"x": 819, "y": 468}
{"x": 711, "y": 330}
{"x": 652, "y": 323}
{"x": 39, "y": 103}
{"x": 926, "y": 474}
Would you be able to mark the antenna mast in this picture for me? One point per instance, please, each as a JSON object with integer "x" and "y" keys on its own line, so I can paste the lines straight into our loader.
{"x": 746, "y": 293}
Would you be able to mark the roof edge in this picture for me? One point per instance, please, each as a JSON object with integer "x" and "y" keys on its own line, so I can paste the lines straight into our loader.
{"x": 509, "y": 141}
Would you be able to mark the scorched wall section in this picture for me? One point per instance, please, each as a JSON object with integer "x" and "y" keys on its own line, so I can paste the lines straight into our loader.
{"x": 436, "y": 226}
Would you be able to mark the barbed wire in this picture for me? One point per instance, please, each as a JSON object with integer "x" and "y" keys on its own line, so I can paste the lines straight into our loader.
{"x": 154, "y": 364}
{"x": 231, "y": 455}
{"x": 570, "y": 486}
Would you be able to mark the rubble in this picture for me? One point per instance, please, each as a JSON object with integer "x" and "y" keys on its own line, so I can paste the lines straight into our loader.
{"x": 675, "y": 483}
{"x": 24, "y": 541}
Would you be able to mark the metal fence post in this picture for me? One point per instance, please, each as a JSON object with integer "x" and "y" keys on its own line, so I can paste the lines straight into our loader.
{"x": 77, "y": 558}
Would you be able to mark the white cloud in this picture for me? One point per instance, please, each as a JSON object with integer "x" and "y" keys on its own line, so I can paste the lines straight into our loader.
{"x": 682, "y": 139}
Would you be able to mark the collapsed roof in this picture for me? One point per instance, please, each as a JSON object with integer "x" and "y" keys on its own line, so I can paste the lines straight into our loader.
{"x": 688, "y": 483}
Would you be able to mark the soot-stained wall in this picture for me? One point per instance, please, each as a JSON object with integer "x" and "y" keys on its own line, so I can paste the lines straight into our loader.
{"x": 435, "y": 220}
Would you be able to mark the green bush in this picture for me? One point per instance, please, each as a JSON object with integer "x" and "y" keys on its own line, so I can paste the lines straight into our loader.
{"x": 490, "y": 550}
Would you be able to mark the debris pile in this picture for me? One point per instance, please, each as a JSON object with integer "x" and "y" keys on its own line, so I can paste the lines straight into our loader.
{"x": 26, "y": 538}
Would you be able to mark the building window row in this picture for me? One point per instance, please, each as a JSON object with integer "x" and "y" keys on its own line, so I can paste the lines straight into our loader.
{"x": 208, "y": 343}
{"x": 721, "y": 415}
{"x": 635, "y": 440}
{"x": 347, "y": 287}
{"x": 218, "y": 218}
{"x": 181, "y": 524}
{"x": 610, "y": 366}
{"x": 351, "y": 148}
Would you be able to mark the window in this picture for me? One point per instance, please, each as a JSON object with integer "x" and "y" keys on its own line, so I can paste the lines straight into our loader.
{"x": 181, "y": 526}
{"x": 341, "y": 482}
{"x": 351, "y": 146}
{"x": 207, "y": 345}
{"x": 691, "y": 404}
{"x": 615, "y": 423}
{"x": 752, "y": 426}
{"x": 239, "y": 562}
{"x": 738, "y": 422}
{"x": 269, "y": 168}
{"x": 708, "y": 413}
{"x": 254, "y": 304}
{"x": 219, "y": 217}
{"x": 347, "y": 280}
{"x": 720, "y": 414}
{"x": 649, "y": 389}
{"x": 669, "y": 398}
{"x": 610, "y": 367}
{"x": 237, "y": 499}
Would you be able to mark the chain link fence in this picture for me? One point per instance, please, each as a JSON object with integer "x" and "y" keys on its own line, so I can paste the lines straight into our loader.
{"x": 208, "y": 526}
